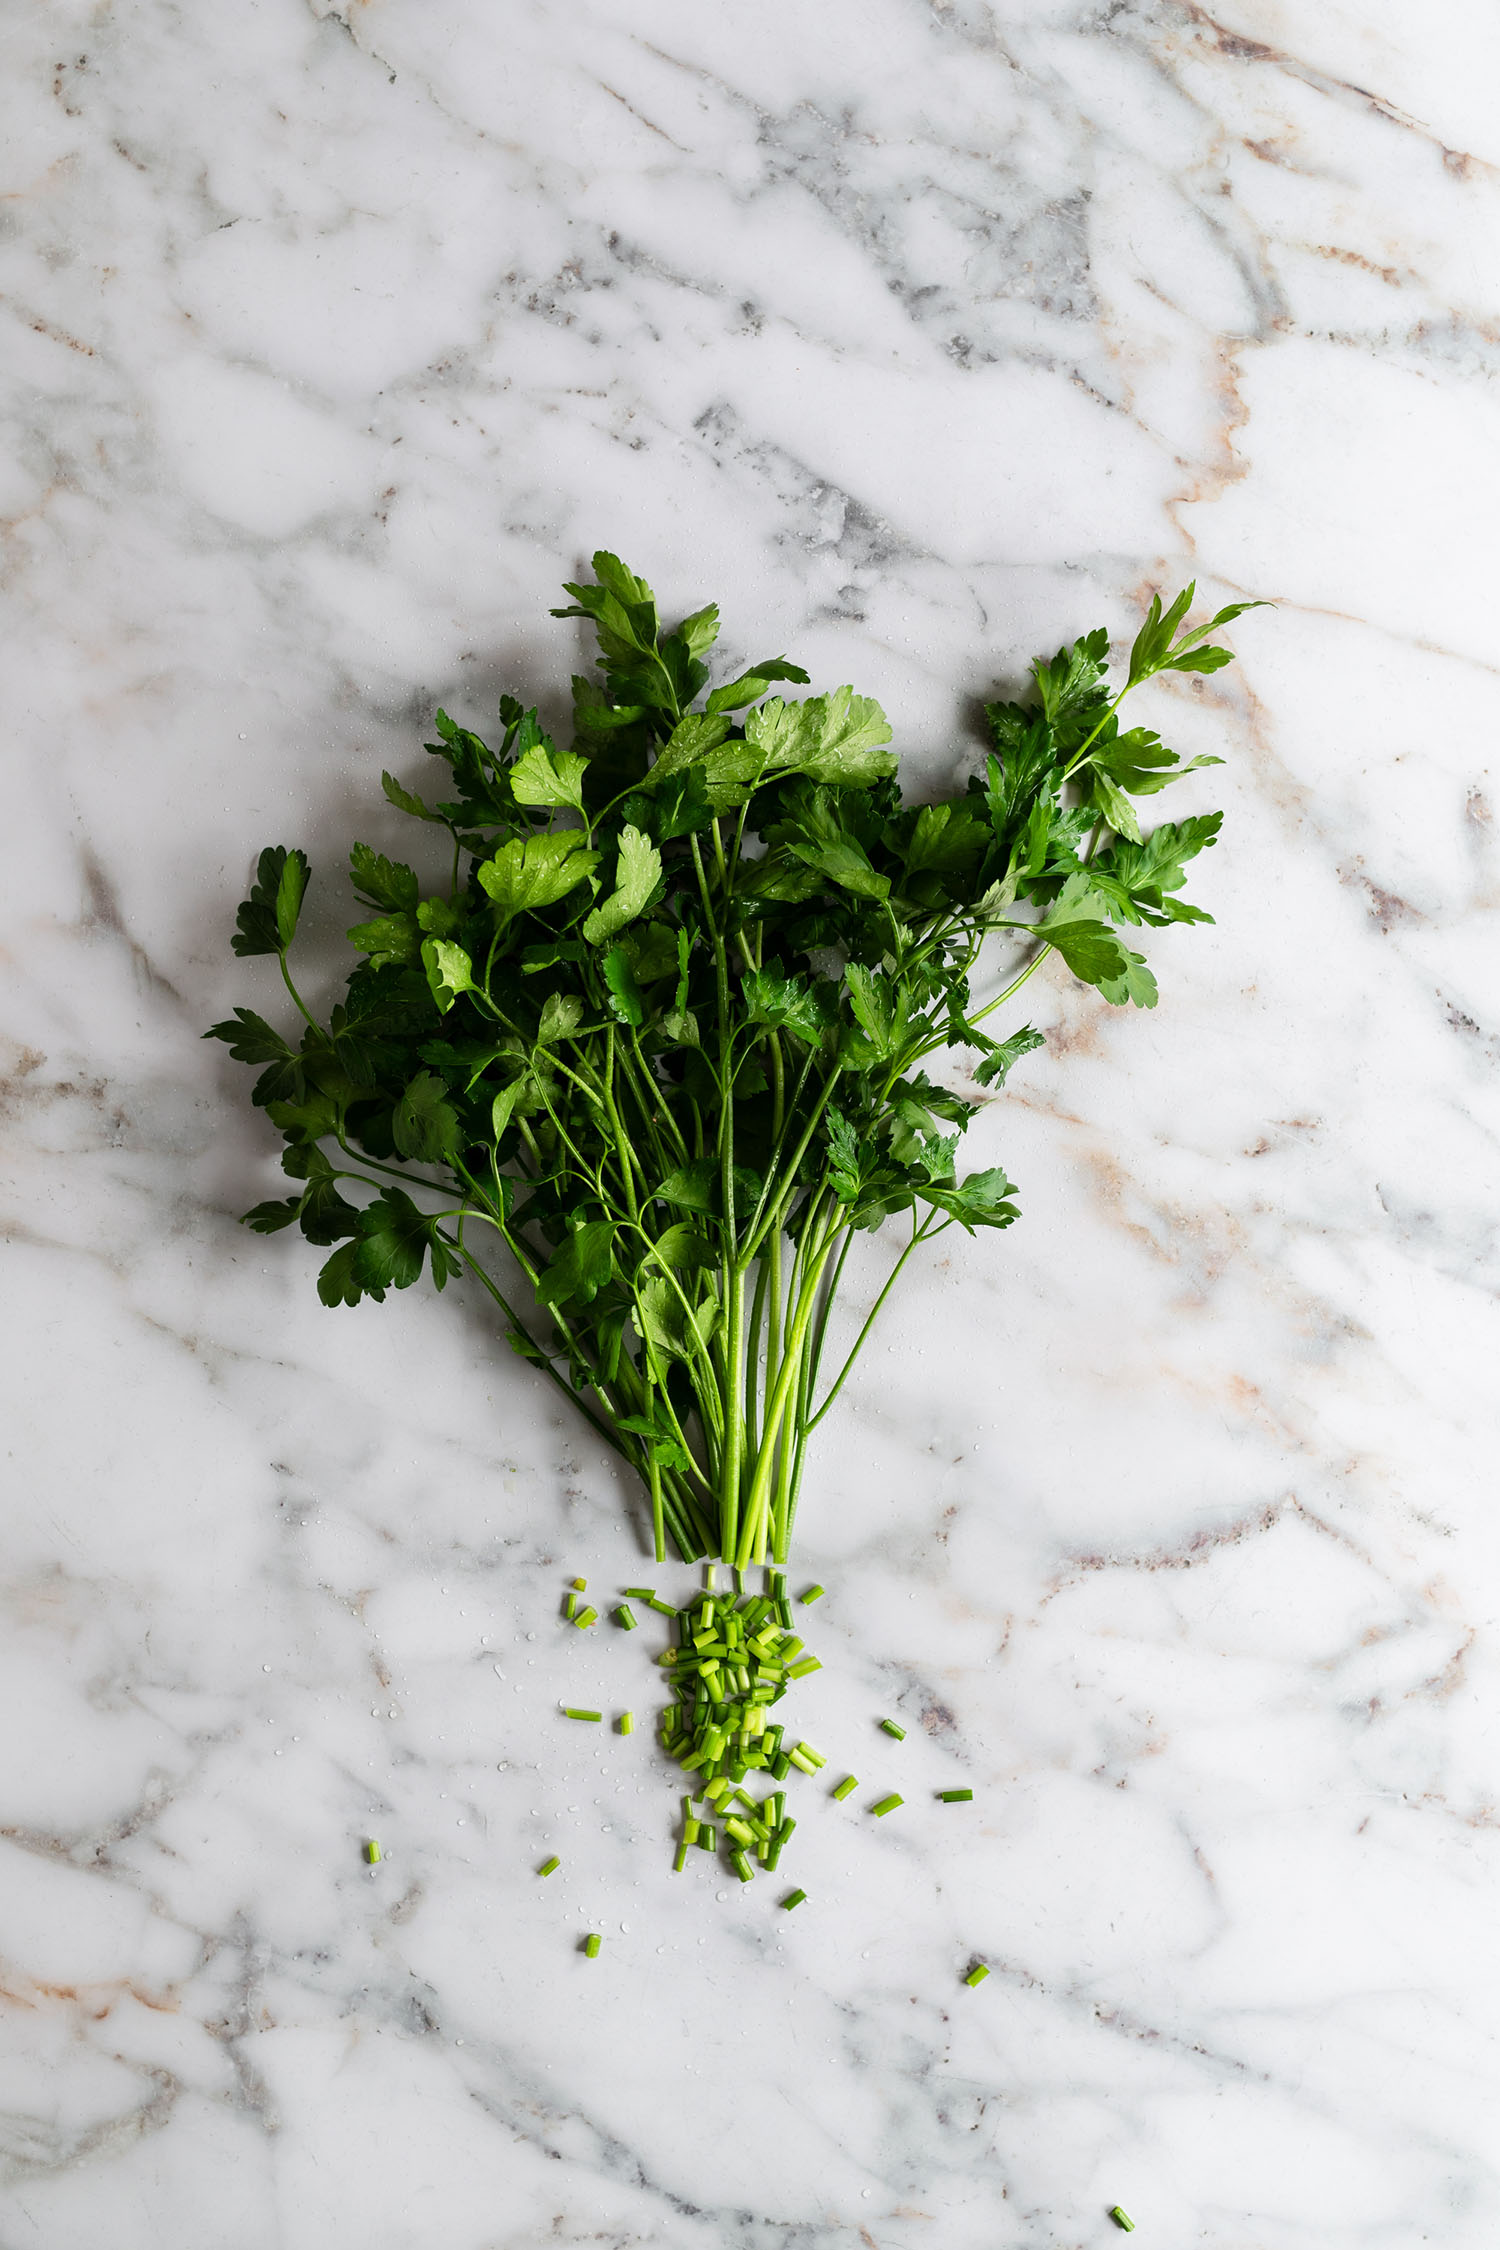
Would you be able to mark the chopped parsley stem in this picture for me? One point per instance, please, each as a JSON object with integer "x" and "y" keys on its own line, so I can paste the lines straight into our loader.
{"x": 591, "y": 1945}
{"x": 847, "y": 1786}
{"x": 977, "y": 1974}
{"x": 626, "y": 1616}
{"x": 1125, "y": 2225}
{"x": 550, "y": 1866}
{"x": 793, "y": 1898}
{"x": 955, "y": 1796}
{"x": 626, "y": 1722}
{"x": 810, "y": 1594}
{"x": 373, "y": 1853}
{"x": 887, "y": 1804}
{"x": 569, "y": 1713}
{"x": 891, "y": 1728}
{"x": 585, "y": 1618}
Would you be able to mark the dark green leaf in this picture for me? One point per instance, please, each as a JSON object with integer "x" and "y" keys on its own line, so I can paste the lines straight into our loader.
{"x": 625, "y": 997}
{"x": 947, "y": 838}
{"x": 1072, "y": 686}
{"x": 789, "y": 1004}
{"x": 581, "y": 1267}
{"x": 404, "y": 800}
{"x": 389, "y": 937}
{"x": 996, "y": 1066}
{"x": 394, "y": 1237}
{"x": 752, "y": 685}
{"x": 982, "y": 1200}
{"x": 250, "y": 1039}
{"x": 425, "y": 1124}
{"x": 337, "y": 1283}
{"x": 699, "y": 632}
{"x": 384, "y": 882}
{"x": 876, "y": 1007}
{"x": 671, "y": 1327}
{"x": 270, "y": 1218}
{"x": 275, "y": 897}
{"x": 694, "y": 1187}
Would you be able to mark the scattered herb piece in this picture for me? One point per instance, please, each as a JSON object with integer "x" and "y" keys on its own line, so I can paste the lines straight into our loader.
{"x": 793, "y": 1898}
{"x": 811, "y": 1594}
{"x": 977, "y": 1974}
{"x": 847, "y": 1786}
{"x": 891, "y": 1728}
{"x": 626, "y": 1722}
{"x": 887, "y": 1804}
{"x": 580, "y": 1585}
{"x": 591, "y": 1945}
{"x": 373, "y": 1853}
{"x": 1126, "y": 2225}
{"x": 955, "y": 1796}
{"x": 626, "y": 1616}
{"x": 549, "y": 1866}
{"x": 585, "y": 1618}
{"x": 569, "y": 1713}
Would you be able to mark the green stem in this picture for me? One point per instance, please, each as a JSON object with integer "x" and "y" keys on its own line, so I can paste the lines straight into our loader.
{"x": 286, "y": 978}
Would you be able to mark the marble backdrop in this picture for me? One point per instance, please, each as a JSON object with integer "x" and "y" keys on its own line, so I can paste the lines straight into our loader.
{"x": 921, "y": 333}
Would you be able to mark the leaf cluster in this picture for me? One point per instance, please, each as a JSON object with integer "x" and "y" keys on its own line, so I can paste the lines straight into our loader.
{"x": 653, "y": 1052}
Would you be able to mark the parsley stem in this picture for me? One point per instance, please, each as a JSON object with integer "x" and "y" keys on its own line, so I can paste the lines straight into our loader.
{"x": 286, "y": 978}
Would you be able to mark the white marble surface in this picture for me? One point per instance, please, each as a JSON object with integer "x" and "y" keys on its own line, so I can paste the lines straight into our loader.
{"x": 920, "y": 335}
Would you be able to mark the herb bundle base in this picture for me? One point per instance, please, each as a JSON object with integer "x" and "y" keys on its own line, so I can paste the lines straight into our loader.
{"x": 647, "y": 1055}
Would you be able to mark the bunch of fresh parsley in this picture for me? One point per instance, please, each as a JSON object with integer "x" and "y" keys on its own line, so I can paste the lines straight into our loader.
{"x": 652, "y": 1055}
